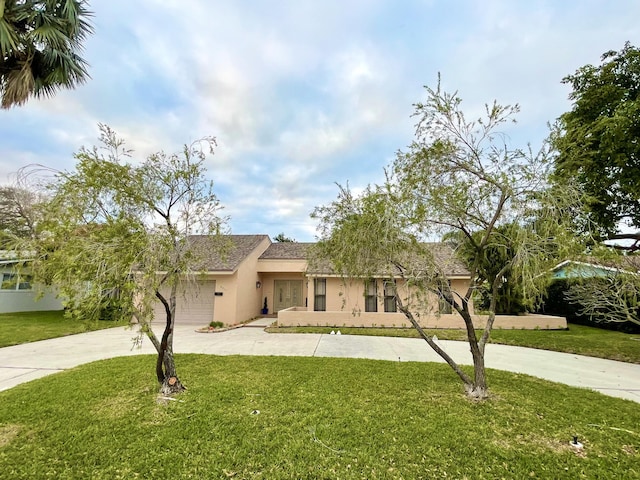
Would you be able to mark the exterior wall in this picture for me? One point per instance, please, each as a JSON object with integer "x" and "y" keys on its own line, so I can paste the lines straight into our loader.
{"x": 269, "y": 265}
{"x": 28, "y": 301}
{"x": 299, "y": 316}
{"x": 224, "y": 306}
{"x": 347, "y": 295}
{"x": 248, "y": 301}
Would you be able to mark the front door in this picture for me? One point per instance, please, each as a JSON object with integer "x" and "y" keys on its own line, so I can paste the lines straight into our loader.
{"x": 288, "y": 293}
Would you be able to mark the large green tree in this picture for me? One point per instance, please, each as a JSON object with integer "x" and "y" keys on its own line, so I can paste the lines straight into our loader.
{"x": 40, "y": 41}
{"x": 500, "y": 250}
{"x": 119, "y": 235}
{"x": 596, "y": 142}
{"x": 457, "y": 176}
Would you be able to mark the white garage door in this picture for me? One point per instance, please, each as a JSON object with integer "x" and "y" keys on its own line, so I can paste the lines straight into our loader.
{"x": 195, "y": 307}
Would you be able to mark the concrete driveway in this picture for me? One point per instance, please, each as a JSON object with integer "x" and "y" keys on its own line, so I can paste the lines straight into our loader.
{"x": 22, "y": 363}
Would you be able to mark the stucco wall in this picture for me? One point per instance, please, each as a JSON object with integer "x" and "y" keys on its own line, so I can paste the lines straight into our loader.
{"x": 249, "y": 298}
{"x": 294, "y": 317}
{"x": 348, "y": 295}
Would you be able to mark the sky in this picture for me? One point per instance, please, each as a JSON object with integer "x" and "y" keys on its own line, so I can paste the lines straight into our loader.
{"x": 303, "y": 95}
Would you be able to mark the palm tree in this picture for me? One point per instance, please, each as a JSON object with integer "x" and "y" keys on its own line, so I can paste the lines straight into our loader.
{"x": 39, "y": 45}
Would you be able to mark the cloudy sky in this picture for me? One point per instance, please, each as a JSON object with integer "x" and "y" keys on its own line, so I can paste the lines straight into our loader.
{"x": 302, "y": 94}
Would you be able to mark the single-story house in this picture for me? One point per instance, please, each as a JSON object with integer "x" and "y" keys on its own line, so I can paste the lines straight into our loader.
{"x": 588, "y": 267}
{"x": 233, "y": 287}
{"x": 17, "y": 292}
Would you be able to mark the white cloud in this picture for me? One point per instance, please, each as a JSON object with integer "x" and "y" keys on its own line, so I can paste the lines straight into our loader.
{"x": 301, "y": 94}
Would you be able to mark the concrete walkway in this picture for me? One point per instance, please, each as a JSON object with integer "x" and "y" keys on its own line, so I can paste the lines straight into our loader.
{"x": 22, "y": 363}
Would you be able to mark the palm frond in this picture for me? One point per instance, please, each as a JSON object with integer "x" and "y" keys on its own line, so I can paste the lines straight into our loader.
{"x": 39, "y": 43}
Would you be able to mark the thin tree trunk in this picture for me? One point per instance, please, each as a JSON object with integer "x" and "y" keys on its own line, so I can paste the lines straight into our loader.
{"x": 444, "y": 355}
{"x": 165, "y": 364}
{"x": 478, "y": 388}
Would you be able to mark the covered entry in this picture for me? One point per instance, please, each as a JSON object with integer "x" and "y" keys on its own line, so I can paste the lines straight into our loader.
{"x": 287, "y": 293}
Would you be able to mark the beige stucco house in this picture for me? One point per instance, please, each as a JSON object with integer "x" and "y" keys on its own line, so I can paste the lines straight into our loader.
{"x": 233, "y": 288}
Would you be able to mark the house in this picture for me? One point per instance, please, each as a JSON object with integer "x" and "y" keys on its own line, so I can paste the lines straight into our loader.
{"x": 232, "y": 289}
{"x": 570, "y": 269}
{"x": 17, "y": 292}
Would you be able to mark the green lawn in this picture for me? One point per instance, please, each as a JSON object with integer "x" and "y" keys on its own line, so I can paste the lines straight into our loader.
{"x": 309, "y": 418}
{"x": 580, "y": 339}
{"x": 16, "y": 328}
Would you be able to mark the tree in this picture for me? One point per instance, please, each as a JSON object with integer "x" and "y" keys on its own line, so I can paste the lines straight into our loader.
{"x": 120, "y": 236}
{"x": 39, "y": 45}
{"x": 457, "y": 176}
{"x": 596, "y": 142}
{"x": 500, "y": 250}
{"x": 18, "y": 213}
{"x": 282, "y": 238}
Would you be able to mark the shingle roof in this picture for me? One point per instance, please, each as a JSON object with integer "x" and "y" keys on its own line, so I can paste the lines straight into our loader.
{"x": 286, "y": 251}
{"x": 230, "y": 250}
{"x": 446, "y": 258}
{"x": 443, "y": 255}
{"x": 235, "y": 248}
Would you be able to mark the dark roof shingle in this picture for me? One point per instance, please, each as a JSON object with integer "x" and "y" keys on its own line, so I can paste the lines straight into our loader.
{"x": 286, "y": 251}
{"x": 225, "y": 252}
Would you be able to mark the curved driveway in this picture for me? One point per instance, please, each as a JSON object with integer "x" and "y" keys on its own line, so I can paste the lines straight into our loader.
{"x": 22, "y": 363}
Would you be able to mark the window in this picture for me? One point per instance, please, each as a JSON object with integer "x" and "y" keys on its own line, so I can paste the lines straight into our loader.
{"x": 390, "y": 296}
{"x": 9, "y": 281}
{"x": 320, "y": 297}
{"x": 370, "y": 296}
{"x": 444, "y": 307}
{"x": 13, "y": 281}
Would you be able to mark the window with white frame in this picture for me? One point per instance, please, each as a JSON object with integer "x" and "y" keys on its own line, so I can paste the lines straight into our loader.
{"x": 13, "y": 281}
{"x": 320, "y": 295}
{"x": 370, "y": 296}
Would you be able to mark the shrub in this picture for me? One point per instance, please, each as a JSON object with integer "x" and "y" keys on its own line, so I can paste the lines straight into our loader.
{"x": 556, "y": 303}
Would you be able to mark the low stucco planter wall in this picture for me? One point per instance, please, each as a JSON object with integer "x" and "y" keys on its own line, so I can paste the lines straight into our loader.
{"x": 300, "y": 316}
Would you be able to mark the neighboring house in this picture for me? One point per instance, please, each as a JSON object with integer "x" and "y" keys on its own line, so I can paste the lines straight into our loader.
{"x": 576, "y": 269}
{"x": 232, "y": 288}
{"x": 17, "y": 292}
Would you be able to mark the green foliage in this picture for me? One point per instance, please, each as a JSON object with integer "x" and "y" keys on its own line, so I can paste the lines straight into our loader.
{"x": 216, "y": 324}
{"x": 116, "y": 237}
{"x": 459, "y": 178}
{"x": 500, "y": 251}
{"x": 111, "y": 226}
{"x": 596, "y": 301}
{"x": 596, "y": 141}
{"x": 282, "y": 418}
{"x": 39, "y": 45}
{"x": 282, "y": 238}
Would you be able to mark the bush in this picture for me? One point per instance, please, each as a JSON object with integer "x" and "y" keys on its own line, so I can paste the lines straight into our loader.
{"x": 556, "y": 303}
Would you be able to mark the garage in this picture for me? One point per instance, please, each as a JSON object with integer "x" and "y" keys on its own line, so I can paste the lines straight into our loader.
{"x": 195, "y": 307}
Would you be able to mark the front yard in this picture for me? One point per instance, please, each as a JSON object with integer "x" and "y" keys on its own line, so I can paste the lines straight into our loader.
{"x": 309, "y": 418}
{"x": 17, "y": 328}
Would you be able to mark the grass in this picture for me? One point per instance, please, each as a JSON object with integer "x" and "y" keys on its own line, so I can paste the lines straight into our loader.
{"x": 580, "y": 339}
{"x": 309, "y": 418}
{"x": 17, "y": 328}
